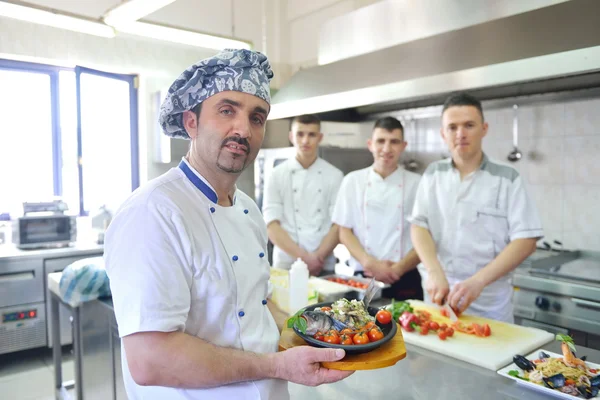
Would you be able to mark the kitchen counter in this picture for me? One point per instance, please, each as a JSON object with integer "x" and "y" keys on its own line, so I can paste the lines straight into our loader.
{"x": 79, "y": 248}
{"x": 423, "y": 375}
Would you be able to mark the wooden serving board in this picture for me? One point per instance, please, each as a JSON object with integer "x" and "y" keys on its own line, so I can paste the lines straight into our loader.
{"x": 493, "y": 352}
{"x": 386, "y": 355}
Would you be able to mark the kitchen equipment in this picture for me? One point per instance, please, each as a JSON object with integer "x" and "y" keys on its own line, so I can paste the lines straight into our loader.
{"x": 492, "y": 352}
{"x": 450, "y": 312}
{"x": 516, "y": 154}
{"x": 44, "y": 225}
{"x": 541, "y": 388}
{"x": 389, "y": 331}
{"x": 561, "y": 295}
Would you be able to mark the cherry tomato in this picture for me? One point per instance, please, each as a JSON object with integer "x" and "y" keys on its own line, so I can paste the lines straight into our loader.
{"x": 445, "y": 313}
{"x": 443, "y": 326}
{"x": 325, "y": 308}
{"x": 319, "y": 336}
{"x": 375, "y": 334}
{"x": 449, "y": 332}
{"x": 369, "y": 325}
{"x": 434, "y": 326}
{"x": 384, "y": 317}
{"x": 345, "y": 339}
{"x": 487, "y": 331}
{"x": 442, "y": 335}
{"x": 333, "y": 332}
{"x": 361, "y": 338}
{"x": 333, "y": 339}
{"x": 424, "y": 329}
{"x": 348, "y": 332}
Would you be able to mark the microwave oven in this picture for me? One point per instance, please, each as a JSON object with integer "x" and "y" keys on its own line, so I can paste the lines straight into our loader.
{"x": 44, "y": 231}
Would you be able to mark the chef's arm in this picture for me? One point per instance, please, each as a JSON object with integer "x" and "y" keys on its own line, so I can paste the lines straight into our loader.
{"x": 508, "y": 259}
{"x": 282, "y": 239}
{"x": 349, "y": 239}
{"x": 425, "y": 248}
{"x": 180, "y": 360}
{"x": 408, "y": 263}
{"x": 329, "y": 242}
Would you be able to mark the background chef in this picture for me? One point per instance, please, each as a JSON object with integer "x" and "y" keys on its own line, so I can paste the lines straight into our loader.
{"x": 372, "y": 209}
{"x": 185, "y": 254}
{"x": 473, "y": 221}
{"x": 299, "y": 200}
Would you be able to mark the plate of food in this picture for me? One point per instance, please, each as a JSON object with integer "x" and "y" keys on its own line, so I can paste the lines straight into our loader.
{"x": 344, "y": 324}
{"x": 562, "y": 375}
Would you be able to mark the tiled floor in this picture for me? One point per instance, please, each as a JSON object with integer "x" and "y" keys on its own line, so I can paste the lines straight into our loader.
{"x": 29, "y": 375}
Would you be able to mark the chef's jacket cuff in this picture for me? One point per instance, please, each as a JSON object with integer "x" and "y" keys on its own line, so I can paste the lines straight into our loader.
{"x": 419, "y": 221}
{"x": 150, "y": 325}
{"x": 271, "y": 215}
{"x": 527, "y": 234}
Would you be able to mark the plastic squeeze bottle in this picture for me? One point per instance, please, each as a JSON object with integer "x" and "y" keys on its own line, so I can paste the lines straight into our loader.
{"x": 298, "y": 285}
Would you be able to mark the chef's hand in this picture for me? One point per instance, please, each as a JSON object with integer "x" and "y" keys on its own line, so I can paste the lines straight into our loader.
{"x": 437, "y": 286}
{"x": 314, "y": 263}
{"x": 464, "y": 293}
{"x": 302, "y": 365}
{"x": 381, "y": 270}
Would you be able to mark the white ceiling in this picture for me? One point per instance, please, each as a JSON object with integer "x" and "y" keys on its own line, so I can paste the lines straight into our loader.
{"x": 208, "y": 16}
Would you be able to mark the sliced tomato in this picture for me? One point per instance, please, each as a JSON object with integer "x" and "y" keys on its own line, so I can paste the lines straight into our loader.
{"x": 487, "y": 331}
{"x": 445, "y": 313}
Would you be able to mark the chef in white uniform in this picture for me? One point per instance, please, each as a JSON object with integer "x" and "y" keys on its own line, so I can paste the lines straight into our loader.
{"x": 372, "y": 209}
{"x": 185, "y": 254}
{"x": 473, "y": 221}
{"x": 299, "y": 199}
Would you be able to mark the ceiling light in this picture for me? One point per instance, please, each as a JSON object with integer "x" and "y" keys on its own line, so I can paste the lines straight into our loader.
{"x": 174, "y": 35}
{"x": 133, "y": 10}
{"x": 43, "y": 17}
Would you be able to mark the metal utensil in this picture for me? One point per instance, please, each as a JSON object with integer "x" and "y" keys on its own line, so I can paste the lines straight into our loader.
{"x": 370, "y": 293}
{"x": 450, "y": 312}
{"x": 516, "y": 154}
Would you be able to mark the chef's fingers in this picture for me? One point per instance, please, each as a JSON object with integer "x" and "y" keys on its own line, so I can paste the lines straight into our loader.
{"x": 456, "y": 295}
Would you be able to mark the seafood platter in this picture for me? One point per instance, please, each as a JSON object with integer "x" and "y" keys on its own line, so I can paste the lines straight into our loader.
{"x": 562, "y": 375}
{"x": 345, "y": 324}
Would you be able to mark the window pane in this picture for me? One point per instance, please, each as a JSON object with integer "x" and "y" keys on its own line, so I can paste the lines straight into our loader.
{"x": 25, "y": 139}
{"x": 106, "y": 141}
{"x": 68, "y": 134}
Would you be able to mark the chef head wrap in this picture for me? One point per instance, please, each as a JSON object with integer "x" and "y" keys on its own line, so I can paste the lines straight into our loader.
{"x": 244, "y": 71}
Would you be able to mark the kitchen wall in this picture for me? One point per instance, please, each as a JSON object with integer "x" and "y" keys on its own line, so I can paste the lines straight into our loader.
{"x": 560, "y": 144}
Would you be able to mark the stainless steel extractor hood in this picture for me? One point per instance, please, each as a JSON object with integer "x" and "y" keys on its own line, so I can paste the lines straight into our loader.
{"x": 543, "y": 46}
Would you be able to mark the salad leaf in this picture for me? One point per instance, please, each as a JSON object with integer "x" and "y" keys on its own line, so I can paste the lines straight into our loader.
{"x": 566, "y": 339}
{"x": 297, "y": 321}
{"x": 397, "y": 308}
{"x": 515, "y": 373}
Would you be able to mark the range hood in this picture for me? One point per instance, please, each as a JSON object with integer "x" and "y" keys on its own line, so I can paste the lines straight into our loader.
{"x": 515, "y": 48}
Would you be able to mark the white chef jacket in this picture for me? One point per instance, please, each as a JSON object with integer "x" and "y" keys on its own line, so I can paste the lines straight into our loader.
{"x": 178, "y": 261}
{"x": 376, "y": 209}
{"x": 302, "y": 200}
{"x": 471, "y": 222}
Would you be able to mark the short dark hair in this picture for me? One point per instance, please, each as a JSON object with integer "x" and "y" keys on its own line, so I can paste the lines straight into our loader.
{"x": 306, "y": 119}
{"x": 389, "y": 124}
{"x": 463, "y": 99}
{"x": 196, "y": 109}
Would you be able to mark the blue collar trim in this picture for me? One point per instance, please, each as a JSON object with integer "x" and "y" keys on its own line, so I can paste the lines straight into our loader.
{"x": 199, "y": 183}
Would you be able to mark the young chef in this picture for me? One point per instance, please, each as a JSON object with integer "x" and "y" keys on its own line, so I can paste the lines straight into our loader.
{"x": 372, "y": 209}
{"x": 185, "y": 254}
{"x": 473, "y": 222}
{"x": 299, "y": 200}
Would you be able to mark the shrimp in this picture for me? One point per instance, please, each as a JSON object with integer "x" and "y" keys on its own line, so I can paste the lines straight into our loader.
{"x": 569, "y": 358}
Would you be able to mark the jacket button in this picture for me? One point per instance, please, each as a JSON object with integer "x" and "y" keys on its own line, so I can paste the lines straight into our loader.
{"x": 234, "y": 258}
{"x": 261, "y": 254}
{"x": 212, "y": 209}
{"x": 264, "y": 302}
{"x": 241, "y": 314}
{"x": 245, "y": 211}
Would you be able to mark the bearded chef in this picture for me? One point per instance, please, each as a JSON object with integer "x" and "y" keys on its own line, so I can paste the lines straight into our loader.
{"x": 185, "y": 254}
{"x": 372, "y": 209}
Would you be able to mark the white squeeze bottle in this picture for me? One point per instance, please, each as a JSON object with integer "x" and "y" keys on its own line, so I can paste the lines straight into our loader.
{"x": 298, "y": 285}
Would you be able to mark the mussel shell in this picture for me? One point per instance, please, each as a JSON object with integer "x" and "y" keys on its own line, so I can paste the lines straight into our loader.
{"x": 555, "y": 381}
{"x": 586, "y": 391}
{"x": 523, "y": 363}
{"x": 595, "y": 381}
{"x": 543, "y": 355}
{"x": 583, "y": 358}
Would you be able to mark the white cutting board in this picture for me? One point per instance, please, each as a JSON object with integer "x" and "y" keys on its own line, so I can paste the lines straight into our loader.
{"x": 492, "y": 352}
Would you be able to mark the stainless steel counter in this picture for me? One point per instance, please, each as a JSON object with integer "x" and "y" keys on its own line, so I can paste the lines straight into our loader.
{"x": 427, "y": 375}
{"x": 11, "y": 251}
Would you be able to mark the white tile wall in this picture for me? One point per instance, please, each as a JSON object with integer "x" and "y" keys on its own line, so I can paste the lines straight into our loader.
{"x": 560, "y": 144}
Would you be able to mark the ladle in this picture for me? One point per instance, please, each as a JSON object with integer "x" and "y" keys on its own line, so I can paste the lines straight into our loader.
{"x": 516, "y": 154}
